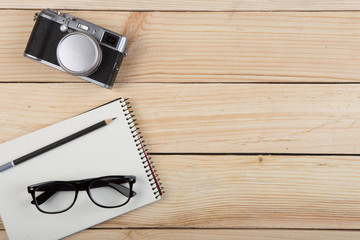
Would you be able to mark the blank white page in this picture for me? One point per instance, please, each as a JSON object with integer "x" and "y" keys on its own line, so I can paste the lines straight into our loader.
{"x": 109, "y": 150}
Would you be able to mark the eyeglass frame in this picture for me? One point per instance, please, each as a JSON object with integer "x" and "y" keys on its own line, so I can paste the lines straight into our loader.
{"x": 79, "y": 186}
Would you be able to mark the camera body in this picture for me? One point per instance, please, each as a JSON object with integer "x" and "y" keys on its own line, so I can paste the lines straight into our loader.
{"x": 76, "y": 46}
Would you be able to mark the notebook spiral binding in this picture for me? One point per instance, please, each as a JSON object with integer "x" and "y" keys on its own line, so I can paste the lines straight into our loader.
{"x": 138, "y": 139}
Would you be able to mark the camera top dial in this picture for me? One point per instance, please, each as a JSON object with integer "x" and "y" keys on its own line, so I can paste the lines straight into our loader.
{"x": 79, "y": 53}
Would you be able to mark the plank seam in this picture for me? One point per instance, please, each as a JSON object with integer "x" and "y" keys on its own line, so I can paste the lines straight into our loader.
{"x": 147, "y": 82}
{"x": 227, "y": 228}
{"x": 262, "y": 154}
{"x": 176, "y": 11}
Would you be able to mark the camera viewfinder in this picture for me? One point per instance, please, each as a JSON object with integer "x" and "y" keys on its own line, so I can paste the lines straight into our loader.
{"x": 110, "y": 39}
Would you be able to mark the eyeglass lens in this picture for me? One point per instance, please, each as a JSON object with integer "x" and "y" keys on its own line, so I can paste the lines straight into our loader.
{"x": 110, "y": 192}
{"x": 55, "y": 197}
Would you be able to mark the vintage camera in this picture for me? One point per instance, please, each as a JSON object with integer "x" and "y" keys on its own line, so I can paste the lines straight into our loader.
{"x": 76, "y": 46}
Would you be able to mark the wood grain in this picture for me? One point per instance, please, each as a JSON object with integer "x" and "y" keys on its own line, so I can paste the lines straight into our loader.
{"x": 177, "y": 234}
{"x": 215, "y": 234}
{"x": 197, "y": 74}
{"x": 207, "y": 47}
{"x": 188, "y": 5}
{"x": 252, "y": 192}
{"x": 207, "y": 118}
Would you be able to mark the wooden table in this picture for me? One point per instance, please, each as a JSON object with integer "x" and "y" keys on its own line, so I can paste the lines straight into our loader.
{"x": 250, "y": 108}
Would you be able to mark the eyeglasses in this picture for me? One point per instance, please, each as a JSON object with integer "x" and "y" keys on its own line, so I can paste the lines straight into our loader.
{"x": 59, "y": 196}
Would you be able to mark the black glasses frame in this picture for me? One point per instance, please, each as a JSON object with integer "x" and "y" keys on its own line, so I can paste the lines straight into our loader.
{"x": 79, "y": 185}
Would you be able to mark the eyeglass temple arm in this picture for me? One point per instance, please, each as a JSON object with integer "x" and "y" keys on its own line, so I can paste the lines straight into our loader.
{"x": 43, "y": 197}
{"x": 48, "y": 194}
{"x": 122, "y": 189}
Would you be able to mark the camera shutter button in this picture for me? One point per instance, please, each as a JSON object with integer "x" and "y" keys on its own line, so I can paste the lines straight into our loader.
{"x": 79, "y": 54}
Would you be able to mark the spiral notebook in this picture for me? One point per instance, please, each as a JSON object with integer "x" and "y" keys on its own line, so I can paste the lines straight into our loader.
{"x": 112, "y": 150}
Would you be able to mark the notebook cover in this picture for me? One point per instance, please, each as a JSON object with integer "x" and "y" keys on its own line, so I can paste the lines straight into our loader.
{"x": 110, "y": 150}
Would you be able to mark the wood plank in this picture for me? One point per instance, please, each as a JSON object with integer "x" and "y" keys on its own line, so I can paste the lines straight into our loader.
{"x": 188, "y": 5}
{"x": 207, "y": 47}
{"x": 210, "y": 234}
{"x": 210, "y": 118}
{"x": 252, "y": 192}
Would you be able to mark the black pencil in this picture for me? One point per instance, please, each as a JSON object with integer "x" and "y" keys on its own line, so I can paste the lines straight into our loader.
{"x": 55, "y": 144}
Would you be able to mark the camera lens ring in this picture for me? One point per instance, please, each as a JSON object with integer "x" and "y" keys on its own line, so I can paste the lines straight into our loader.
{"x": 79, "y": 54}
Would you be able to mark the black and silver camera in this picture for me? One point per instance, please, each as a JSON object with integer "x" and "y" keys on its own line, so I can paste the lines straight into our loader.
{"x": 76, "y": 46}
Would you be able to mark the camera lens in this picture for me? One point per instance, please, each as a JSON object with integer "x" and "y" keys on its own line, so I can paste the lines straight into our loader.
{"x": 110, "y": 39}
{"x": 79, "y": 54}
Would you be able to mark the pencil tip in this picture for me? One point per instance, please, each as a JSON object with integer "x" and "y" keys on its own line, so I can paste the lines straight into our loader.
{"x": 107, "y": 121}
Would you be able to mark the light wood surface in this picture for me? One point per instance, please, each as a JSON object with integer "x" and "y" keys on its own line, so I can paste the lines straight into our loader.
{"x": 252, "y": 192}
{"x": 205, "y": 118}
{"x": 211, "y": 83}
{"x": 207, "y": 46}
{"x": 196, "y": 234}
{"x": 188, "y": 5}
